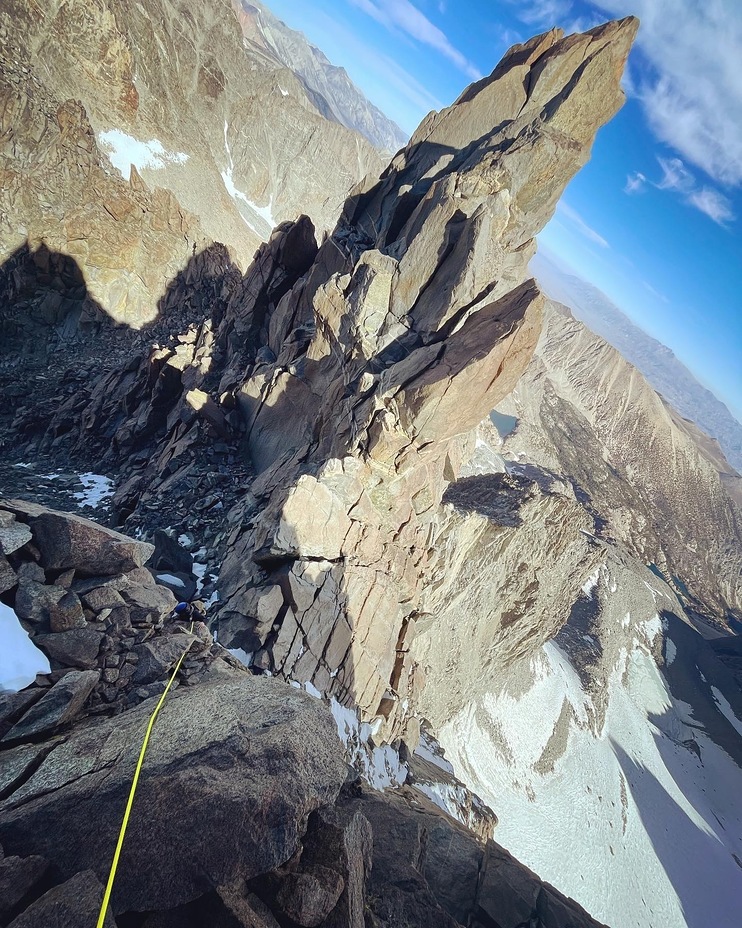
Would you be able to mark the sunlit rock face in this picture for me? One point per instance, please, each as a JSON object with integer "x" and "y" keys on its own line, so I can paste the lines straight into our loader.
{"x": 581, "y": 669}
{"x": 414, "y": 319}
{"x": 352, "y": 375}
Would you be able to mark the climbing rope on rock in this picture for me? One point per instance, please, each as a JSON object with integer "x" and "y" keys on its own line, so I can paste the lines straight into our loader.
{"x": 132, "y": 791}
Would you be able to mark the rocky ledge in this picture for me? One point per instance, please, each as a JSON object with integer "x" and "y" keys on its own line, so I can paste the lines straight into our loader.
{"x": 247, "y": 814}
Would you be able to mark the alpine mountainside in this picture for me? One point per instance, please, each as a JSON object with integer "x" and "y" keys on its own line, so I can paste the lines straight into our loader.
{"x": 350, "y": 376}
{"x": 173, "y": 88}
{"x": 656, "y": 362}
{"x": 308, "y": 443}
{"x": 604, "y": 706}
{"x": 329, "y": 87}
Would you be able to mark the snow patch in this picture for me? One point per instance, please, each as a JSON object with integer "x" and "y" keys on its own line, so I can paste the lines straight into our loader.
{"x": 425, "y": 749}
{"x": 96, "y": 490}
{"x": 671, "y": 652}
{"x": 591, "y": 583}
{"x": 262, "y": 212}
{"x": 651, "y": 829}
{"x": 170, "y": 578}
{"x": 20, "y": 659}
{"x": 124, "y": 150}
{"x": 243, "y": 656}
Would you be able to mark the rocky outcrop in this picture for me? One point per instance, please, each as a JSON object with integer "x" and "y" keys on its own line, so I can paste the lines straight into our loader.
{"x": 246, "y": 812}
{"x": 351, "y": 375}
{"x": 88, "y": 603}
{"x": 229, "y": 132}
{"x": 665, "y": 494}
{"x": 414, "y": 318}
{"x": 78, "y": 244}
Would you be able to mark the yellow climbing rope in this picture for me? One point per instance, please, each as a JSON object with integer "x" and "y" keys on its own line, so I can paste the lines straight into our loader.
{"x": 132, "y": 791}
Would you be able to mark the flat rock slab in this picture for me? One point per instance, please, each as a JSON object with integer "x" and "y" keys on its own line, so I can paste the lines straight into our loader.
{"x": 71, "y": 905}
{"x": 57, "y": 707}
{"x": 67, "y": 540}
{"x": 13, "y": 534}
{"x": 233, "y": 771}
{"x": 77, "y": 647}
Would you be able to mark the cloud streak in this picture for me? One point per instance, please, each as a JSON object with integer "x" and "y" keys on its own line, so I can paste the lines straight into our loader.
{"x": 678, "y": 179}
{"x": 635, "y": 182}
{"x": 402, "y": 16}
{"x": 692, "y": 91}
{"x": 579, "y": 223}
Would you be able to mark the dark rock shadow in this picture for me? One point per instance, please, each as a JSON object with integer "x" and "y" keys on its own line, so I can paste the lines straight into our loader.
{"x": 691, "y": 856}
{"x": 498, "y": 497}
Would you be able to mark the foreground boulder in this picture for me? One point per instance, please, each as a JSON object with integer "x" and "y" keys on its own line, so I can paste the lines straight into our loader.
{"x": 66, "y": 540}
{"x": 231, "y": 777}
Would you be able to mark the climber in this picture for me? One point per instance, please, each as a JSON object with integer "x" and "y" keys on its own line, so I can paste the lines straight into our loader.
{"x": 191, "y": 612}
{"x": 195, "y": 613}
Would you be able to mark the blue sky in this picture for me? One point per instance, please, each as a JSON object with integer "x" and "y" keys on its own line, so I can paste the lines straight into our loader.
{"x": 655, "y": 218}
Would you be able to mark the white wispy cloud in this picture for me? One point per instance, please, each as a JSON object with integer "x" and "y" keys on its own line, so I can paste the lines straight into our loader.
{"x": 579, "y": 223}
{"x": 675, "y": 175}
{"x": 635, "y": 182}
{"x": 656, "y": 293}
{"x": 692, "y": 90}
{"x": 541, "y": 12}
{"x": 677, "y": 178}
{"x": 713, "y": 203}
{"x": 545, "y": 14}
{"x": 402, "y": 16}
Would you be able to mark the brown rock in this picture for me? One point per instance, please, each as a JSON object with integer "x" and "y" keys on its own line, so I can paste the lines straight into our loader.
{"x": 58, "y": 706}
{"x": 77, "y": 647}
{"x": 66, "y": 614}
{"x": 69, "y": 541}
{"x": 258, "y": 754}
{"x": 157, "y": 657}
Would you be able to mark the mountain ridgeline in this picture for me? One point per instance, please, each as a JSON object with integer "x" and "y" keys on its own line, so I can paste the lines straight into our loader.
{"x": 304, "y": 440}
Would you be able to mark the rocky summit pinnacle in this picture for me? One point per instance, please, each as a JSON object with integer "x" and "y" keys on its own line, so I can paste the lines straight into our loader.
{"x": 353, "y": 374}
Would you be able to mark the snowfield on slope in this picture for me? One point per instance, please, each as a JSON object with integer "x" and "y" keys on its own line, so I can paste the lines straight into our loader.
{"x": 628, "y": 821}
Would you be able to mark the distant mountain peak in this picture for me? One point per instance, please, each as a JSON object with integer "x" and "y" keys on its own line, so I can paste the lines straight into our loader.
{"x": 329, "y": 86}
{"x": 658, "y": 363}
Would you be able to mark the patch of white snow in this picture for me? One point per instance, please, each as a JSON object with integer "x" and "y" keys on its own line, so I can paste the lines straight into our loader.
{"x": 96, "y": 489}
{"x": 20, "y": 659}
{"x": 170, "y": 578}
{"x": 726, "y": 710}
{"x": 124, "y": 150}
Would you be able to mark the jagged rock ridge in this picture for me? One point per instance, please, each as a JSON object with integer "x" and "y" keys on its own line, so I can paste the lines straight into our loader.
{"x": 357, "y": 368}
{"x": 245, "y": 813}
